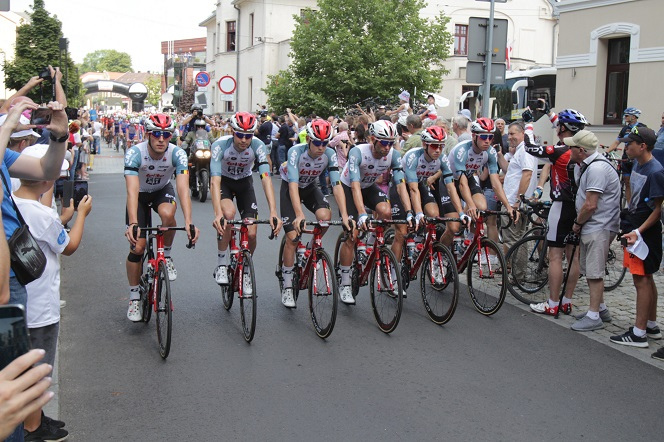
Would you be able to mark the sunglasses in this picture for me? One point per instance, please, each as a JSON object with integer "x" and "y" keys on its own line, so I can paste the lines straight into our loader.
{"x": 161, "y": 133}
{"x": 485, "y": 137}
{"x": 436, "y": 146}
{"x": 241, "y": 136}
{"x": 386, "y": 143}
{"x": 319, "y": 143}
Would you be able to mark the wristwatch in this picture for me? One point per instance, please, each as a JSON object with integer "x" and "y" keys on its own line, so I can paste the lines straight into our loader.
{"x": 62, "y": 139}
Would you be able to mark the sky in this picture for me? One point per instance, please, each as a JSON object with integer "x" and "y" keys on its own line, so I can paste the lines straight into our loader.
{"x": 136, "y": 27}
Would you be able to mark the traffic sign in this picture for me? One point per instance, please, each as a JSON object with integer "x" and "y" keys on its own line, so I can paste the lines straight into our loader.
{"x": 227, "y": 84}
{"x": 477, "y": 30}
{"x": 202, "y": 79}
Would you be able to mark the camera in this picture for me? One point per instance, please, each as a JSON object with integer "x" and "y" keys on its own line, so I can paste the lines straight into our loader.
{"x": 41, "y": 117}
{"x": 74, "y": 189}
{"x": 45, "y": 74}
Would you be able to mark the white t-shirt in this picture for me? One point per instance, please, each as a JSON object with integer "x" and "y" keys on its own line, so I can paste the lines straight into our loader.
{"x": 432, "y": 113}
{"x": 403, "y": 114}
{"x": 97, "y": 129}
{"x": 521, "y": 161}
{"x": 44, "y": 293}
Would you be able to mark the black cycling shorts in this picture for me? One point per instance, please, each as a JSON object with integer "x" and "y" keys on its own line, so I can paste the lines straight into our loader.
{"x": 472, "y": 184}
{"x": 311, "y": 196}
{"x": 561, "y": 220}
{"x": 243, "y": 191}
{"x": 147, "y": 200}
{"x": 426, "y": 196}
{"x": 444, "y": 201}
{"x": 371, "y": 196}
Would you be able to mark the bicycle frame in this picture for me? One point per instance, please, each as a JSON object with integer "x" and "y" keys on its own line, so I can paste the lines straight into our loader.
{"x": 480, "y": 230}
{"x": 238, "y": 265}
{"x": 372, "y": 259}
{"x": 312, "y": 259}
{"x": 429, "y": 239}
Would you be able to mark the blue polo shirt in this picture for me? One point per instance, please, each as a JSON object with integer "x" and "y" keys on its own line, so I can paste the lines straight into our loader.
{"x": 9, "y": 218}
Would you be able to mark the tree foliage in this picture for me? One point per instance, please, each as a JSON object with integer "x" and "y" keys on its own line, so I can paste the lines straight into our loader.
{"x": 154, "y": 90}
{"x": 37, "y": 46}
{"x": 108, "y": 60}
{"x": 348, "y": 51}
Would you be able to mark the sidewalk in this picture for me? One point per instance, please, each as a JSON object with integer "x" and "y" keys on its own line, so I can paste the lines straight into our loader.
{"x": 109, "y": 161}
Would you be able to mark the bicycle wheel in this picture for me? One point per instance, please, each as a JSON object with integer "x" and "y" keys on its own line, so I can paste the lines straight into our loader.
{"x": 248, "y": 297}
{"x": 337, "y": 250}
{"x": 529, "y": 264}
{"x": 487, "y": 287}
{"x": 439, "y": 284}
{"x": 280, "y": 263}
{"x": 323, "y": 294}
{"x": 146, "y": 292}
{"x": 227, "y": 290}
{"x": 164, "y": 310}
{"x": 614, "y": 271}
{"x": 386, "y": 291}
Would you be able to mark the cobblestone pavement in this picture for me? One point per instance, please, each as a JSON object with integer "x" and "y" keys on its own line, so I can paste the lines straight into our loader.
{"x": 109, "y": 161}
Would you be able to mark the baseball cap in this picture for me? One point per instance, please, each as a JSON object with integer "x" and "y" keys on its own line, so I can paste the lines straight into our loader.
{"x": 21, "y": 133}
{"x": 640, "y": 135}
{"x": 583, "y": 139}
{"x": 465, "y": 113}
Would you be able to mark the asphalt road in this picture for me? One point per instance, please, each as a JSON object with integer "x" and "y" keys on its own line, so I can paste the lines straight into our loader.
{"x": 512, "y": 376}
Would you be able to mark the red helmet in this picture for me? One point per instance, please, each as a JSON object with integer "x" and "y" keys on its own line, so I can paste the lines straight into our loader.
{"x": 244, "y": 122}
{"x": 320, "y": 130}
{"x": 434, "y": 135}
{"x": 482, "y": 125}
{"x": 159, "y": 122}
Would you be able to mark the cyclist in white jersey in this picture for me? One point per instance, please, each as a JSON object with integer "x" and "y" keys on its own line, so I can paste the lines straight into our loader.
{"x": 148, "y": 170}
{"x": 366, "y": 162}
{"x": 306, "y": 162}
{"x": 233, "y": 157}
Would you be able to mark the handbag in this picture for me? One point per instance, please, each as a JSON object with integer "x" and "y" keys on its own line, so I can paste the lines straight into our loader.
{"x": 27, "y": 258}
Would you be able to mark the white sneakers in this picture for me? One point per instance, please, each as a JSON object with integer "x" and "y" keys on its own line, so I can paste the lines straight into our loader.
{"x": 172, "y": 272}
{"x": 346, "y": 295}
{"x": 134, "y": 313}
{"x": 221, "y": 275}
{"x": 287, "y": 298}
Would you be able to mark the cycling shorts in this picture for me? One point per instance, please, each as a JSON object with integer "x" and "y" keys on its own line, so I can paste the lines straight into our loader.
{"x": 131, "y": 136}
{"x": 243, "y": 191}
{"x": 426, "y": 196}
{"x": 472, "y": 184}
{"x": 445, "y": 202}
{"x": 311, "y": 196}
{"x": 561, "y": 220}
{"x": 147, "y": 200}
{"x": 371, "y": 196}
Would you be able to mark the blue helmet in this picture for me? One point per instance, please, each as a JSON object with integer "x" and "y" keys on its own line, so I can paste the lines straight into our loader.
{"x": 632, "y": 111}
{"x": 573, "y": 120}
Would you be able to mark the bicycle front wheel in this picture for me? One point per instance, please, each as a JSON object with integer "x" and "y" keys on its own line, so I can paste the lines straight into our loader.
{"x": 323, "y": 294}
{"x": 386, "y": 291}
{"x": 487, "y": 287}
{"x": 248, "y": 296}
{"x": 164, "y": 310}
{"x": 439, "y": 284}
{"x": 529, "y": 265}
{"x": 227, "y": 290}
{"x": 614, "y": 271}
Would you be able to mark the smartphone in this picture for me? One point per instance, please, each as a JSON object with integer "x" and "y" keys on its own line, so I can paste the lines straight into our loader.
{"x": 41, "y": 117}
{"x": 623, "y": 242}
{"x": 14, "y": 337}
{"x": 67, "y": 192}
{"x": 73, "y": 189}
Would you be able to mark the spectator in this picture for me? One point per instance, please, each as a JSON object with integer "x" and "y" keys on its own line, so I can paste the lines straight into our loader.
{"x": 430, "y": 112}
{"x": 264, "y": 133}
{"x": 402, "y": 111}
{"x": 460, "y": 128}
{"x": 96, "y": 145}
{"x": 499, "y": 136}
{"x": 341, "y": 143}
{"x": 286, "y": 134}
{"x": 597, "y": 221}
{"x": 414, "y": 125}
{"x": 451, "y": 140}
{"x": 658, "y": 151}
{"x": 275, "y": 144}
{"x": 631, "y": 116}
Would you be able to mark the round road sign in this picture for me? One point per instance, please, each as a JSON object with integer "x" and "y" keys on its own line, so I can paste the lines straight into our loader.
{"x": 202, "y": 79}
{"x": 227, "y": 84}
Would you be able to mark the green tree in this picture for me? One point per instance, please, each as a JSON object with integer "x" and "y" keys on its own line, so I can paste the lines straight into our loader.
{"x": 348, "y": 51}
{"x": 154, "y": 90}
{"x": 37, "y": 46}
{"x": 108, "y": 60}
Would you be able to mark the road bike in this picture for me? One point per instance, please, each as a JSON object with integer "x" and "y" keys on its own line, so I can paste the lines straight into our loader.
{"x": 314, "y": 271}
{"x": 377, "y": 263}
{"x": 241, "y": 276}
{"x": 155, "y": 287}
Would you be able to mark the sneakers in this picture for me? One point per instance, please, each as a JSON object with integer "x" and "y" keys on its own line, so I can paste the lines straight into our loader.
{"x": 287, "y": 298}
{"x": 346, "y": 295}
{"x": 604, "y": 315}
{"x": 247, "y": 289}
{"x": 659, "y": 354}
{"x": 134, "y": 313}
{"x": 437, "y": 274}
{"x": 46, "y": 432}
{"x": 654, "y": 333}
{"x": 220, "y": 275}
{"x": 587, "y": 324}
{"x": 172, "y": 273}
{"x": 543, "y": 307}
{"x": 629, "y": 338}
{"x": 50, "y": 421}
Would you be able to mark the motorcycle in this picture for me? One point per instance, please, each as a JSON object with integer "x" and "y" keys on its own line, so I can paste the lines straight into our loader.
{"x": 199, "y": 169}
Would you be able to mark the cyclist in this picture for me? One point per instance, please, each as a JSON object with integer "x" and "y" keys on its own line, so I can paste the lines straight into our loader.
{"x": 131, "y": 132}
{"x": 306, "y": 162}
{"x": 367, "y": 162}
{"x": 631, "y": 116}
{"x": 232, "y": 158}
{"x": 116, "y": 131}
{"x": 148, "y": 170}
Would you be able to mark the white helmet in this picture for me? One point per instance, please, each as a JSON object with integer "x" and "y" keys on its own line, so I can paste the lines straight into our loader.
{"x": 383, "y": 130}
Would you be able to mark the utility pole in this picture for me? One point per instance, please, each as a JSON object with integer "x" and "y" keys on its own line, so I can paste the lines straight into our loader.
{"x": 486, "y": 96}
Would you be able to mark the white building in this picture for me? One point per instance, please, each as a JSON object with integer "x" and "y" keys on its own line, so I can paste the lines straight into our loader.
{"x": 9, "y": 21}
{"x": 250, "y": 40}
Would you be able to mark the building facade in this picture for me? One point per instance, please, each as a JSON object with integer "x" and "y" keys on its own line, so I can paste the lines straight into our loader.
{"x": 9, "y": 21}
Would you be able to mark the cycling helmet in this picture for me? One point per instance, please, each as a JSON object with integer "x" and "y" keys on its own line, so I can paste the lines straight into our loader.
{"x": 197, "y": 107}
{"x": 572, "y": 120}
{"x": 200, "y": 123}
{"x": 433, "y": 135}
{"x": 383, "y": 130}
{"x": 482, "y": 126}
{"x": 244, "y": 122}
{"x": 160, "y": 122}
{"x": 632, "y": 111}
{"x": 320, "y": 130}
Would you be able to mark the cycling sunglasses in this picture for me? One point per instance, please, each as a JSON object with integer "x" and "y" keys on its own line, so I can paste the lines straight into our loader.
{"x": 161, "y": 133}
{"x": 318, "y": 143}
{"x": 241, "y": 136}
{"x": 386, "y": 143}
{"x": 436, "y": 146}
{"x": 485, "y": 137}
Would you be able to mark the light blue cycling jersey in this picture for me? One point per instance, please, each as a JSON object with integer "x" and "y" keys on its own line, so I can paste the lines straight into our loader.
{"x": 304, "y": 170}
{"x": 154, "y": 174}
{"x": 463, "y": 159}
{"x": 227, "y": 161}
{"x": 416, "y": 167}
{"x": 362, "y": 167}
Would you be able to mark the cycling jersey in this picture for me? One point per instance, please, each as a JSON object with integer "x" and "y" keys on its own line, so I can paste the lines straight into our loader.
{"x": 417, "y": 168}
{"x": 228, "y": 162}
{"x": 362, "y": 167}
{"x": 464, "y": 159}
{"x": 154, "y": 174}
{"x": 304, "y": 170}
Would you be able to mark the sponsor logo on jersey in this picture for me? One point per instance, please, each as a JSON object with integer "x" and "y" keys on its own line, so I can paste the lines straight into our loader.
{"x": 151, "y": 167}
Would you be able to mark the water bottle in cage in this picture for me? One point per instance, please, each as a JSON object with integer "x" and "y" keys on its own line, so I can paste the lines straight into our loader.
{"x": 361, "y": 252}
{"x": 301, "y": 250}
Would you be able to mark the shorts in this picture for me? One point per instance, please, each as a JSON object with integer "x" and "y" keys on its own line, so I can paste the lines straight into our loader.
{"x": 426, "y": 196}
{"x": 243, "y": 191}
{"x": 45, "y": 338}
{"x": 131, "y": 136}
{"x": 472, "y": 184}
{"x": 371, "y": 196}
{"x": 445, "y": 205}
{"x": 653, "y": 239}
{"x": 492, "y": 202}
{"x": 561, "y": 220}
{"x": 311, "y": 196}
{"x": 147, "y": 200}
{"x": 594, "y": 252}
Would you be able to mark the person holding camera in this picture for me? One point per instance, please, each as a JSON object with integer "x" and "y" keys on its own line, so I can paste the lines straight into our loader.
{"x": 189, "y": 122}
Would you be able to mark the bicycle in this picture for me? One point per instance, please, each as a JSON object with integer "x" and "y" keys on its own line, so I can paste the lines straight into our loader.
{"x": 380, "y": 265}
{"x": 439, "y": 297}
{"x": 156, "y": 294}
{"x": 241, "y": 276}
{"x": 314, "y": 270}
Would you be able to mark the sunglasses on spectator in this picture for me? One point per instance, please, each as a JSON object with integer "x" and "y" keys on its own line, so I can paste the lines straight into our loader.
{"x": 161, "y": 133}
{"x": 386, "y": 143}
{"x": 485, "y": 137}
{"x": 319, "y": 143}
{"x": 241, "y": 136}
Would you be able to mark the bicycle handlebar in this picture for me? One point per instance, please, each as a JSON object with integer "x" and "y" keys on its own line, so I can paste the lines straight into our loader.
{"x": 161, "y": 230}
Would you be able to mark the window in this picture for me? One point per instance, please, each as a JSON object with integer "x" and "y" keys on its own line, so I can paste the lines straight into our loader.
{"x": 229, "y": 106}
{"x": 251, "y": 27}
{"x": 617, "y": 80}
{"x": 460, "y": 39}
{"x": 230, "y": 36}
